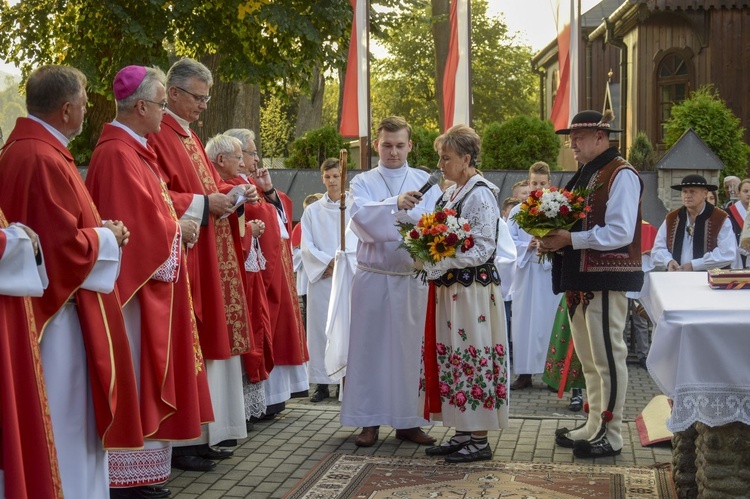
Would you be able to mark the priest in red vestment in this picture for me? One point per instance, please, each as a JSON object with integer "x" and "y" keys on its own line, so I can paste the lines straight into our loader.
{"x": 28, "y": 461}
{"x": 225, "y": 152}
{"x": 88, "y": 371}
{"x": 214, "y": 265}
{"x": 124, "y": 182}
{"x": 289, "y": 375}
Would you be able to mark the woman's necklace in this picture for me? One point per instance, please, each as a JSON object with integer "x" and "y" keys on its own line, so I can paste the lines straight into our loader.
{"x": 399, "y": 188}
{"x": 457, "y": 191}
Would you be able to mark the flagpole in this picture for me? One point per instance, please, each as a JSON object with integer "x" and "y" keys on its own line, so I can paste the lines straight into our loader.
{"x": 471, "y": 93}
{"x": 365, "y": 154}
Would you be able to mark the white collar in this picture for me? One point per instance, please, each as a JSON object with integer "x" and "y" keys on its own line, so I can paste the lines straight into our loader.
{"x": 141, "y": 140}
{"x": 185, "y": 124}
{"x": 54, "y": 131}
{"x": 393, "y": 172}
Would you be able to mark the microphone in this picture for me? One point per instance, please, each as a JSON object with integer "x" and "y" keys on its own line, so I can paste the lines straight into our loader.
{"x": 434, "y": 179}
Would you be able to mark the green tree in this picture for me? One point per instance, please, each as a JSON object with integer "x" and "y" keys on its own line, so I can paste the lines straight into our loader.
{"x": 310, "y": 150}
{"x": 422, "y": 151}
{"x": 251, "y": 41}
{"x": 276, "y": 129}
{"x": 708, "y": 115}
{"x": 641, "y": 153}
{"x": 519, "y": 142}
{"x": 404, "y": 82}
{"x": 12, "y": 104}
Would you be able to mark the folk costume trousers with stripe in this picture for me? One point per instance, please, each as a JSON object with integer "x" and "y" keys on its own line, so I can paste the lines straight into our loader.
{"x": 597, "y": 320}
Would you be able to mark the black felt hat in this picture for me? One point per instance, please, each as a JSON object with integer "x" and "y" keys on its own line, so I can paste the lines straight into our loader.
{"x": 590, "y": 120}
{"x": 694, "y": 181}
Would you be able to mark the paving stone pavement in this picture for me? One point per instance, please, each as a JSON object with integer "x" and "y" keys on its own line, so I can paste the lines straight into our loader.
{"x": 278, "y": 453}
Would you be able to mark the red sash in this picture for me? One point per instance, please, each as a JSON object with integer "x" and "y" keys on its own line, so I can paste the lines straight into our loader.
{"x": 736, "y": 215}
{"x": 432, "y": 404}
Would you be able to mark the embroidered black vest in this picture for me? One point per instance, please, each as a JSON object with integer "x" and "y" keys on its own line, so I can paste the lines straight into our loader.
{"x": 483, "y": 274}
{"x": 593, "y": 270}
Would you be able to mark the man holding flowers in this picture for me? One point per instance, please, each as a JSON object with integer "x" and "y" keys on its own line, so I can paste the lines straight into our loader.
{"x": 465, "y": 362}
{"x": 596, "y": 262}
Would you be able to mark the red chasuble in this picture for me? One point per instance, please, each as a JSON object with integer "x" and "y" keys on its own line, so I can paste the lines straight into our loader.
{"x": 27, "y": 448}
{"x": 259, "y": 362}
{"x": 124, "y": 185}
{"x": 289, "y": 338}
{"x": 216, "y": 274}
{"x": 41, "y": 187}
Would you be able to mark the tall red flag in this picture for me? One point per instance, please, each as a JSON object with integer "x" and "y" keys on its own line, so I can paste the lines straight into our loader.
{"x": 566, "y": 100}
{"x": 456, "y": 85}
{"x": 354, "y": 109}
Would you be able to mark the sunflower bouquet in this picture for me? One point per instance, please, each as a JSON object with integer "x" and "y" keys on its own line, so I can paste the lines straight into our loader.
{"x": 548, "y": 209}
{"x": 436, "y": 236}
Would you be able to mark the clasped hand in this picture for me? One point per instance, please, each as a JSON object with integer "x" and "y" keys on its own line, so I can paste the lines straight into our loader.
{"x": 122, "y": 234}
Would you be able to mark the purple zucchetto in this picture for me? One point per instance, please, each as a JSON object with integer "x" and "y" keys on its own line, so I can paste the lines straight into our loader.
{"x": 127, "y": 80}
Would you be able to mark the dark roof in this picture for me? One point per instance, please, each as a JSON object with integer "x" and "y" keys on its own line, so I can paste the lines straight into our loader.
{"x": 690, "y": 153}
{"x": 692, "y": 4}
{"x": 593, "y": 17}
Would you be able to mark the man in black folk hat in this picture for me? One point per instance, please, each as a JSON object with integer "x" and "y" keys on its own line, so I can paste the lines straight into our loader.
{"x": 595, "y": 264}
{"x": 696, "y": 236}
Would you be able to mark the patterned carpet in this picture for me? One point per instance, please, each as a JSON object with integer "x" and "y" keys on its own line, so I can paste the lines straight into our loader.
{"x": 348, "y": 476}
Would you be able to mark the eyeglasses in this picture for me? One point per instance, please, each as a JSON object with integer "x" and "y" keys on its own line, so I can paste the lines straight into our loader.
{"x": 233, "y": 156}
{"x": 198, "y": 98}
{"x": 251, "y": 153}
{"x": 162, "y": 105}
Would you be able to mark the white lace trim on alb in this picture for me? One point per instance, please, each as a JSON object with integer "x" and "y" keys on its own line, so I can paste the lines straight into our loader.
{"x": 713, "y": 405}
{"x": 140, "y": 467}
{"x": 255, "y": 399}
{"x": 255, "y": 261}
{"x": 170, "y": 269}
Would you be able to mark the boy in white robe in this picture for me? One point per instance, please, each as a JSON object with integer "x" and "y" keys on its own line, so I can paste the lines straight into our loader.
{"x": 534, "y": 304}
{"x": 321, "y": 227}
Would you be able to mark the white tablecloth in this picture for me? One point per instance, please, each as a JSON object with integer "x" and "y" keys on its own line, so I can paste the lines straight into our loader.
{"x": 700, "y": 353}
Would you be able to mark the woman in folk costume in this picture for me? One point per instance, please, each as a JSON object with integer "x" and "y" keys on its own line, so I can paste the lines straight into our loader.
{"x": 465, "y": 361}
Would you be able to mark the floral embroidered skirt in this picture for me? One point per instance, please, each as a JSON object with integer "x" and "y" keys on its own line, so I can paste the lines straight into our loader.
{"x": 557, "y": 366}
{"x": 472, "y": 357}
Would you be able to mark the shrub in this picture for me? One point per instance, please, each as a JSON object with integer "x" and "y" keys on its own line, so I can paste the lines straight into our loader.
{"x": 519, "y": 142}
{"x": 422, "y": 153}
{"x": 641, "y": 153}
{"x": 708, "y": 115}
{"x": 310, "y": 150}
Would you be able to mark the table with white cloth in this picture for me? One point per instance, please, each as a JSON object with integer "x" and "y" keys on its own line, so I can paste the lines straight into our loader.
{"x": 700, "y": 358}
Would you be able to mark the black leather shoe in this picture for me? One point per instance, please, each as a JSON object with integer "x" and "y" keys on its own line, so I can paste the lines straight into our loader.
{"x": 249, "y": 425}
{"x": 208, "y": 452}
{"x": 483, "y": 454}
{"x": 142, "y": 492}
{"x": 564, "y": 441}
{"x": 445, "y": 449}
{"x": 588, "y": 450}
{"x": 192, "y": 463}
{"x": 321, "y": 393}
{"x": 232, "y": 442}
{"x": 521, "y": 382}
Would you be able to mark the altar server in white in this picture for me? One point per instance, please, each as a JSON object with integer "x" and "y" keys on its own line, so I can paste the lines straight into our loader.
{"x": 321, "y": 227}
{"x": 534, "y": 303}
{"x": 388, "y": 302}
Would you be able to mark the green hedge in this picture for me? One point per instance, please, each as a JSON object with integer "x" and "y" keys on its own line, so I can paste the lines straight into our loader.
{"x": 310, "y": 150}
{"x": 518, "y": 143}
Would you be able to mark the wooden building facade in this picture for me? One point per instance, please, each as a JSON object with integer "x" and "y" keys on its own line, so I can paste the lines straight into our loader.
{"x": 664, "y": 49}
